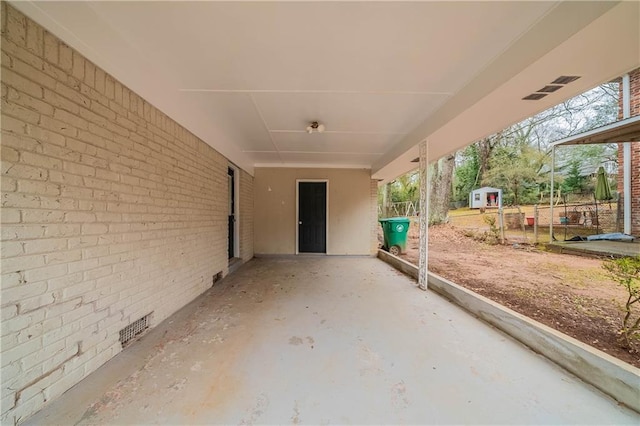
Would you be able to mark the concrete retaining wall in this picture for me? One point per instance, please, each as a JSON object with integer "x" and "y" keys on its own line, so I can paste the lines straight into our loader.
{"x": 612, "y": 376}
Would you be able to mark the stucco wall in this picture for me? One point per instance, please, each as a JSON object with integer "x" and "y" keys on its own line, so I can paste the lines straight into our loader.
{"x": 351, "y": 213}
{"x": 110, "y": 211}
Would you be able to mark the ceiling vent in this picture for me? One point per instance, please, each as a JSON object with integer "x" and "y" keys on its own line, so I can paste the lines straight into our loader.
{"x": 534, "y": 96}
{"x": 416, "y": 160}
{"x": 556, "y": 84}
{"x": 565, "y": 79}
{"x": 549, "y": 89}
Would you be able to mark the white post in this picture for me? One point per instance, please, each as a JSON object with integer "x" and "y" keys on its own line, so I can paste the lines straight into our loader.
{"x": 626, "y": 156}
{"x": 535, "y": 224}
{"x": 423, "y": 261}
{"x": 553, "y": 172}
{"x": 501, "y": 223}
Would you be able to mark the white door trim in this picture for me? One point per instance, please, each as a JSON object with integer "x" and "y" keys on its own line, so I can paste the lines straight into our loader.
{"x": 236, "y": 213}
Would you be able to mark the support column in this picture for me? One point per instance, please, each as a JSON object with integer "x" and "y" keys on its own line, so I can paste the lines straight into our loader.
{"x": 626, "y": 157}
{"x": 424, "y": 216}
{"x": 551, "y": 192}
{"x": 385, "y": 200}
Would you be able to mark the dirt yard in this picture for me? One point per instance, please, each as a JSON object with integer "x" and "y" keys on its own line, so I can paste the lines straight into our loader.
{"x": 569, "y": 293}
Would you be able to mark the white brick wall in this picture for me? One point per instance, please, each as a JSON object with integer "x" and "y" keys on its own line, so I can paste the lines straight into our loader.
{"x": 246, "y": 216}
{"x": 374, "y": 217}
{"x": 110, "y": 210}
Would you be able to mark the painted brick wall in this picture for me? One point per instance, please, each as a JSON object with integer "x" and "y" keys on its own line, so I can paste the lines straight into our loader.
{"x": 110, "y": 211}
{"x": 635, "y": 189}
{"x": 634, "y": 80}
{"x": 246, "y": 216}
{"x": 374, "y": 217}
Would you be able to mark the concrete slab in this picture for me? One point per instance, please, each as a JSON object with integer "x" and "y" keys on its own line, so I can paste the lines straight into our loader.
{"x": 328, "y": 340}
{"x": 612, "y": 376}
{"x": 596, "y": 248}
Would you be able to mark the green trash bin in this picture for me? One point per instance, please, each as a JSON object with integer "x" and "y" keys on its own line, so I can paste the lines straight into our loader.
{"x": 395, "y": 234}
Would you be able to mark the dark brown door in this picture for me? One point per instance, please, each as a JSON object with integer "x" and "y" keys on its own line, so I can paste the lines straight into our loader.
{"x": 232, "y": 210}
{"x": 312, "y": 217}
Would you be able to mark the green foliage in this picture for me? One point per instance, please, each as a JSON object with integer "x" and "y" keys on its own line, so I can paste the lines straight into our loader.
{"x": 574, "y": 182}
{"x": 492, "y": 236}
{"x": 517, "y": 159}
{"x": 466, "y": 174}
{"x": 405, "y": 188}
{"x": 626, "y": 272}
{"x": 578, "y": 163}
{"x": 516, "y": 169}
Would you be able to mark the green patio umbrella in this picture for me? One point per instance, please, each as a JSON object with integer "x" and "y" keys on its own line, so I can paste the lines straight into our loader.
{"x": 603, "y": 192}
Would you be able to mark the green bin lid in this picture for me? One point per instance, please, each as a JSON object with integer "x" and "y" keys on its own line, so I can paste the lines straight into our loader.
{"x": 398, "y": 219}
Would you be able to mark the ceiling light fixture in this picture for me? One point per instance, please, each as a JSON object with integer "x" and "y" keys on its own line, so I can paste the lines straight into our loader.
{"x": 315, "y": 127}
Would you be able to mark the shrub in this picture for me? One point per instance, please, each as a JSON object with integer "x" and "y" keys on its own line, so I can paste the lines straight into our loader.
{"x": 493, "y": 235}
{"x": 626, "y": 272}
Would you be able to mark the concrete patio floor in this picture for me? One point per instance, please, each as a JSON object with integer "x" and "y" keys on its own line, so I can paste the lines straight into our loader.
{"x": 327, "y": 340}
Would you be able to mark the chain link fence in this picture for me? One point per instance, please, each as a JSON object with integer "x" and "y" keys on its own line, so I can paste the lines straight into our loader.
{"x": 530, "y": 224}
{"x": 404, "y": 208}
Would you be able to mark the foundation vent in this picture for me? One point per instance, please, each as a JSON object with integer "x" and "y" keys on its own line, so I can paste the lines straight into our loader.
{"x": 217, "y": 277}
{"x": 134, "y": 329}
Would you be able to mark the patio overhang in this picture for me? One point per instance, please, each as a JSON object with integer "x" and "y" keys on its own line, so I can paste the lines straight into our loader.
{"x": 627, "y": 130}
{"x": 621, "y": 132}
{"x": 249, "y": 77}
{"x": 131, "y": 132}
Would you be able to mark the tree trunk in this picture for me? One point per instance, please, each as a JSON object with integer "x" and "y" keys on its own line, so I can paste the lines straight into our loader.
{"x": 385, "y": 200}
{"x": 485, "y": 149}
{"x": 440, "y": 191}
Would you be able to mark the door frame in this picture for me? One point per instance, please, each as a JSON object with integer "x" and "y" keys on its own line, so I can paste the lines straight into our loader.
{"x": 236, "y": 208}
{"x": 326, "y": 219}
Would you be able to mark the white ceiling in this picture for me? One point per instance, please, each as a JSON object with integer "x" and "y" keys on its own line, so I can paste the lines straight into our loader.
{"x": 248, "y": 77}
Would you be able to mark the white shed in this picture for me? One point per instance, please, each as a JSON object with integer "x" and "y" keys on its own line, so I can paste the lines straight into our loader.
{"x": 485, "y": 197}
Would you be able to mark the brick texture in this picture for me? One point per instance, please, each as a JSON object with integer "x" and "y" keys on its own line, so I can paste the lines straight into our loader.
{"x": 246, "y": 220}
{"x": 374, "y": 217}
{"x": 634, "y": 80}
{"x": 110, "y": 211}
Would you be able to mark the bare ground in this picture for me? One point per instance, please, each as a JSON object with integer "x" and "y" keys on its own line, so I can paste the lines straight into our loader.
{"x": 569, "y": 293}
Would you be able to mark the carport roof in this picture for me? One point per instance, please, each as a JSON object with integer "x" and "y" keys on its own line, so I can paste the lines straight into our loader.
{"x": 248, "y": 77}
{"x": 627, "y": 130}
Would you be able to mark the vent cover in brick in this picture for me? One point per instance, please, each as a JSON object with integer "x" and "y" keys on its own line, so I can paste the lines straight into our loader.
{"x": 134, "y": 329}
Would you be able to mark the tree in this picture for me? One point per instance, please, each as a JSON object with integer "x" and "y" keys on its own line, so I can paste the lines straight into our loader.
{"x": 522, "y": 178}
{"x": 474, "y": 162}
{"x": 517, "y": 170}
{"x": 574, "y": 181}
{"x": 517, "y": 159}
{"x": 405, "y": 188}
{"x": 440, "y": 189}
{"x": 467, "y": 166}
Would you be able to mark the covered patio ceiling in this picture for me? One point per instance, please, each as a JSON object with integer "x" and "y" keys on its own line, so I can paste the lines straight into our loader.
{"x": 248, "y": 77}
